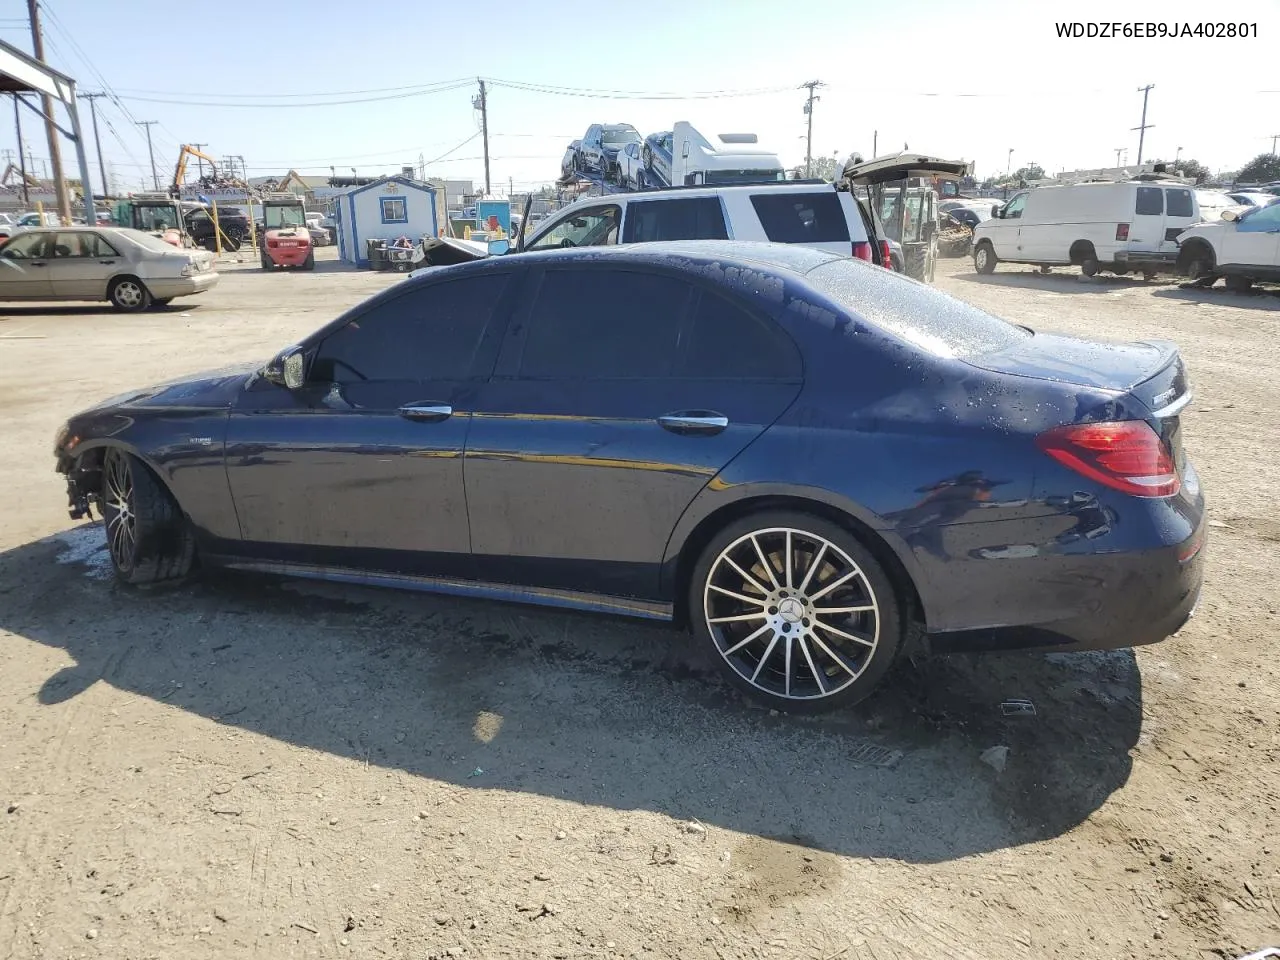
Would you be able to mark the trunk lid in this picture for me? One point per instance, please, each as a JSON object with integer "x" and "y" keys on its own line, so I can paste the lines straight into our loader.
{"x": 1151, "y": 371}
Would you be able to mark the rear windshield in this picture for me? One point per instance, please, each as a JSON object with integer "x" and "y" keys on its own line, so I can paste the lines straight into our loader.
{"x": 815, "y": 217}
{"x": 924, "y": 317}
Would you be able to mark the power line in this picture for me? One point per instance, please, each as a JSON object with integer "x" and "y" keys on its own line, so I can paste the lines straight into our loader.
{"x": 285, "y": 105}
{"x": 606, "y": 94}
{"x": 313, "y": 94}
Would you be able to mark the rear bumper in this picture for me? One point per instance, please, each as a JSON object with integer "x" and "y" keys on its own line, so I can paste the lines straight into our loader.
{"x": 182, "y": 286}
{"x": 1133, "y": 599}
{"x": 288, "y": 256}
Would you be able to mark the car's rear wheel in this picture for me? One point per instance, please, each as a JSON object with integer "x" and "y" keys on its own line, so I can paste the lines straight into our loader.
{"x": 984, "y": 258}
{"x": 129, "y": 294}
{"x": 795, "y": 611}
{"x": 1090, "y": 267}
{"x": 148, "y": 537}
{"x": 310, "y": 262}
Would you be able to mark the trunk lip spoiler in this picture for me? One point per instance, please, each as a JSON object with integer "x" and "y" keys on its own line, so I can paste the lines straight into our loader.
{"x": 1174, "y": 407}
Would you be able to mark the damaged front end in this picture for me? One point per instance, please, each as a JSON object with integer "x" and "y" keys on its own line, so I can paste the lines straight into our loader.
{"x": 83, "y": 473}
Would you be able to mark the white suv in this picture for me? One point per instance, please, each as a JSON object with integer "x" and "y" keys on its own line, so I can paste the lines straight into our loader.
{"x": 1242, "y": 246}
{"x": 813, "y": 213}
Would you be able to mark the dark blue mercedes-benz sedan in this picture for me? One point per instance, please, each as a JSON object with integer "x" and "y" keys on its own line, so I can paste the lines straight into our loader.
{"x": 805, "y": 458}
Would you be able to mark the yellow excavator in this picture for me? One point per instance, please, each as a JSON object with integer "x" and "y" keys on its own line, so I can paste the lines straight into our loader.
{"x": 180, "y": 170}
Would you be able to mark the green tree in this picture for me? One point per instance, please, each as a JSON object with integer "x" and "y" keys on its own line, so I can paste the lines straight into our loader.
{"x": 1032, "y": 172}
{"x": 1261, "y": 169}
{"x": 1194, "y": 169}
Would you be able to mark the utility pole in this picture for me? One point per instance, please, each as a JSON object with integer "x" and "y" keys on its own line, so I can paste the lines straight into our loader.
{"x": 200, "y": 160}
{"x": 1118, "y": 149}
{"x": 97, "y": 142}
{"x": 1008, "y": 163}
{"x": 481, "y": 103}
{"x": 22, "y": 161}
{"x": 811, "y": 85}
{"x": 1274, "y": 138}
{"x": 51, "y": 130}
{"x": 875, "y": 142}
{"x": 155, "y": 180}
{"x": 1142, "y": 130}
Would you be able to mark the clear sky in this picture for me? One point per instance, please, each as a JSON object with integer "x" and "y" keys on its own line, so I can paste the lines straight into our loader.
{"x": 966, "y": 80}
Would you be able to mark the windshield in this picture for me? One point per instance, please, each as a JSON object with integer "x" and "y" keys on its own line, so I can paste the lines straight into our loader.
{"x": 289, "y": 216}
{"x": 619, "y": 135}
{"x": 1208, "y": 198}
{"x": 156, "y": 218}
{"x": 923, "y": 317}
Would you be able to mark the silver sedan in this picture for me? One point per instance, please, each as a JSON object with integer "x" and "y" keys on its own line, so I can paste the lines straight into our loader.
{"x": 129, "y": 269}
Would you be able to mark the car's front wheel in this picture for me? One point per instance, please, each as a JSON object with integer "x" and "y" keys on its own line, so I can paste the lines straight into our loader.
{"x": 795, "y": 611}
{"x": 148, "y": 537}
{"x": 984, "y": 258}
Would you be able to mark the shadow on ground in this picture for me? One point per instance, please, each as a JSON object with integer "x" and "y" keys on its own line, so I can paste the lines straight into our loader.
{"x": 591, "y": 709}
{"x": 1257, "y": 298}
{"x": 1062, "y": 280}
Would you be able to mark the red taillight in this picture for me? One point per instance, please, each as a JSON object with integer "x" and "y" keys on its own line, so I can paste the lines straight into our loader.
{"x": 1126, "y": 455}
{"x": 273, "y": 243}
{"x": 886, "y": 255}
{"x": 862, "y": 250}
{"x": 1122, "y": 231}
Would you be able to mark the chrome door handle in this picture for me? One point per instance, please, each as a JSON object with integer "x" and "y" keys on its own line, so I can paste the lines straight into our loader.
{"x": 426, "y": 412}
{"x": 107, "y": 263}
{"x": 694, "y": 422}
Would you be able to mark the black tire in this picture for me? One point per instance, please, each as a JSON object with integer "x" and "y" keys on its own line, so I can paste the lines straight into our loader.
{"x": 1090, "y": 267}
{"x": 1239, "y": 284}
{"x": 984, "y": 258}
{"x": 646, "y": 155}
{"x": 150, "y": 539}
{"x": 310, "y": 262}
{"x": 231, "y": 244}
{"x": 1200, "y": 273}
{"x": 266, "y": 261}
{"x": 129, "y": 294}
{"x": 830, "y": 666}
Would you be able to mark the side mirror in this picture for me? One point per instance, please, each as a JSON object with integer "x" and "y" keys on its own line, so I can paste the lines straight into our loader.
{"x": 995, "y": 211}
{"x": 287, "y": 369}
{"x": 1229, "y": 214}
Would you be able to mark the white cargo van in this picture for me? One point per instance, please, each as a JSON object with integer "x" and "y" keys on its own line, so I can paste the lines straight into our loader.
{"x": 1124, "y": 226}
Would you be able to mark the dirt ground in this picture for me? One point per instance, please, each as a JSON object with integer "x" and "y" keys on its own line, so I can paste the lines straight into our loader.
{"x": 254, "y": 768}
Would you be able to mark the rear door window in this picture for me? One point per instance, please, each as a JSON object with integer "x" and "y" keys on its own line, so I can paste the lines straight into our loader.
{"x": 691, "y": 218}
{"x": 1179, "y": 202}
{"x": 724, "y": 341}
{"x": 815, "y": 217}
{"x": 1150, "y": 202}
{"x": 604, "y": 324}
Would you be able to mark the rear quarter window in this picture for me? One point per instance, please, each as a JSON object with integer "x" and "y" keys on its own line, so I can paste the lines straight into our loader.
{"x": 815, "y": 217}
{"x": 927, "y": 319}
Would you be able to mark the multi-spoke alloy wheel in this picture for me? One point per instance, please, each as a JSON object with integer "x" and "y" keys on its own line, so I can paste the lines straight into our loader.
{"x": 148, "y": 536}
{"x": 118, "y": 510}
{"x": 798, "y": 611}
